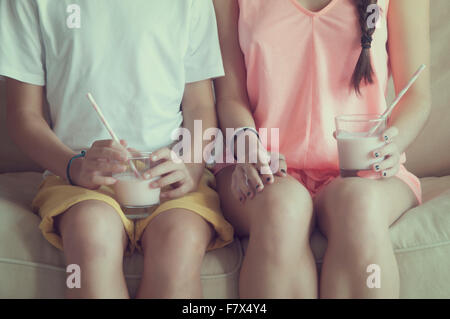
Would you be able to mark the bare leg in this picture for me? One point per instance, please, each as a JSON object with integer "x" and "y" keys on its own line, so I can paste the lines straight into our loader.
{"x": 94, "y": 238}
{"x": 355, "y": 215}
{"x": 174, "y": 244}
{"x": 278, "y": 262}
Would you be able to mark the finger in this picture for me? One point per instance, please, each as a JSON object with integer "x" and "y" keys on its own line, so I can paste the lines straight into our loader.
{"x": 254, "y": 179}
{"x": 132, "y": 150}
{"x": 176, "y": 193}
{"x": 161, "y": 169}
{"x": 105, "y": 167}
{"x": 241, "y": 196}
{"x": 389, "y": 162}
{"x": 334, "y": 134}
{"x": 103, "y": 180}
{"x": 386, "y": 150}
{"x": 281, "y": 170}
{"x": 123, "y": 143}
{"x": 163, "y": 153}
{"x": 266, "y": 175}
{"x": 389, "y": 134}
{"x": 106, "y": 153}
{"x": 390, "y": 171}
{"x": 103, "y": 143}
{"x": 170, "y": 179}
{"x": 263, "y": 166}
{"x": 235, "y": 190}
{"x": 242, "y": 183}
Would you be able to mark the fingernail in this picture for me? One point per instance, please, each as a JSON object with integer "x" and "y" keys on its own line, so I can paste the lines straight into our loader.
{"x": 146, "y": 176}
{"x": 154, "y": 158}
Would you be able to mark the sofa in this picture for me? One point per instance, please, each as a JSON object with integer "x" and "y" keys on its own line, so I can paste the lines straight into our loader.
{"x": 32, "y": 268}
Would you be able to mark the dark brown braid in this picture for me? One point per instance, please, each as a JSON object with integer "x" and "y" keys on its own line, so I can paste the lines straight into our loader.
{"x": 363, "y": 69}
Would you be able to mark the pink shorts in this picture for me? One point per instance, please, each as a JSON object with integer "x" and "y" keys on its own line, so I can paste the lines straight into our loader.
{"x": 315, "y": 180}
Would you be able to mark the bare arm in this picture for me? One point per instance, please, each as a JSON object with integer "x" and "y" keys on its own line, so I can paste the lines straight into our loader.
{"x": 29, "y": 130}
{"x": 231, "y": 91}
{"x": 198, "y": 104}
{"x": 409, "y": 47}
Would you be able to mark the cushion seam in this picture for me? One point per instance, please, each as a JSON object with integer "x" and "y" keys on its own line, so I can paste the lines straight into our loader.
{"x": 61, "y": 269}
{"x": 409, "y": 250}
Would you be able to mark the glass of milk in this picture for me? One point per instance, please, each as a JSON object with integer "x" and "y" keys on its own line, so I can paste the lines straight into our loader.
{"x": 133, "y": 192}
{"x": 355, "y": 146}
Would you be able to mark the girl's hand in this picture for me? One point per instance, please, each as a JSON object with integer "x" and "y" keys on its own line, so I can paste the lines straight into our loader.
{"x": 183, "y": 178}
{"x": 247, "y": 179}
{"x": 104, "y": 158}
{"x": 391, "y": 164}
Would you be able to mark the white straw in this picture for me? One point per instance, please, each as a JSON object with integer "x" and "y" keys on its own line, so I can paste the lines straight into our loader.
{"x": 399, "y": 97}
{"x": 109, "y": 129}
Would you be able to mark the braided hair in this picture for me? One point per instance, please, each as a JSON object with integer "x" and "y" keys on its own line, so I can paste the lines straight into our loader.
{"x": 363, "y": 70}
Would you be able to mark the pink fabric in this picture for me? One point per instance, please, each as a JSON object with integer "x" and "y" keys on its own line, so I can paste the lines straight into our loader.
{"x": 299, "y": 67}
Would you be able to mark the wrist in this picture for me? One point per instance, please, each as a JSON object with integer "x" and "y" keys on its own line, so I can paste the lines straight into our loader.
{"x": 74, "y": 169}
{"x": 196, "y": 170}
{"x": 251, "y": 140}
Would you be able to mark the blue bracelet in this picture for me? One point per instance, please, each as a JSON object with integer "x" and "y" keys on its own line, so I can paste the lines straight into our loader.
{"x": 82, "y": 154}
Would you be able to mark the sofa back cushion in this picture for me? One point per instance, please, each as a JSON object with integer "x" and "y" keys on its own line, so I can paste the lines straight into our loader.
{"x": 429, "y": 155}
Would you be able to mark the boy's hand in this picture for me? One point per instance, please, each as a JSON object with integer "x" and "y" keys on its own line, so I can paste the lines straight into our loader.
{"x": 183, "y": 178}
{"x": 103, "y": 159}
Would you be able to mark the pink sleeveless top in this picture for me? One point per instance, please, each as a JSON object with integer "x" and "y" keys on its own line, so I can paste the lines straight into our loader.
{"x": 299, "y": 68}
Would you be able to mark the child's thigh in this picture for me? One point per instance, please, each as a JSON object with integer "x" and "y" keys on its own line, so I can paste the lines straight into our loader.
{"x": 177, "y": 227}
{"x": 363, "y": 199}
{"x": 286, "y": 199}
{"x": 91, "y": 220}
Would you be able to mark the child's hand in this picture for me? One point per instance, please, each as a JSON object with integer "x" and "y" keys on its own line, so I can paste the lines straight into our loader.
{"x": 391, "y": 164}
{"x": 247, "y": 179}
{"x": 103, "y": 159}
{"x": 183, "y": 178}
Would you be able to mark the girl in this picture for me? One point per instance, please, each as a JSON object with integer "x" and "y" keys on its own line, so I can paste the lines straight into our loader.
{"x": 149, "y": 64}
{"x": 295, "y": 65}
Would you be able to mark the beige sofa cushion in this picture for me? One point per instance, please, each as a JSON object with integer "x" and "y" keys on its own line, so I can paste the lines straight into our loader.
{"x": 421, "y": 240}
{"x": 31, "y": 268}
{"x": 430, "y": 153}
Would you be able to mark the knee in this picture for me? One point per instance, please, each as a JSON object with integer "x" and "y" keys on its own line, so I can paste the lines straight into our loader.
{"x": 284, "y": 211}
{"x": 93, "y": 229}
{"x": 177, "y": 242}
{"x": 357, "y": 209}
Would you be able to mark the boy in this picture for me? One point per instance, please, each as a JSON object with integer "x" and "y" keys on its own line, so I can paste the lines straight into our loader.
{"x": 141, "y": 59}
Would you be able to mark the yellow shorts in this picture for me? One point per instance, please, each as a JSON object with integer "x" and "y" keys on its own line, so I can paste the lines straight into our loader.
{"x": 56, "y": 195}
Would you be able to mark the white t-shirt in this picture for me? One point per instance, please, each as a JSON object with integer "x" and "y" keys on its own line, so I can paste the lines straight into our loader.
{"x": 135, "y": 57}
